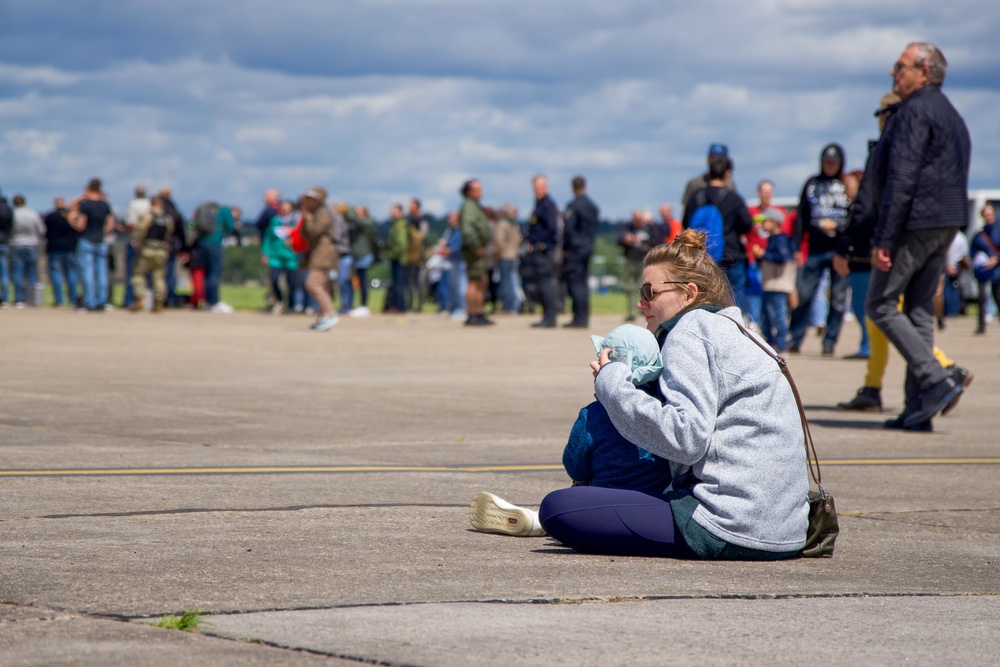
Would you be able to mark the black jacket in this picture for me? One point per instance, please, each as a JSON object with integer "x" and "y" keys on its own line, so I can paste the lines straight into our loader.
{"x": 59, "y": 236}
{"x": 6, "y": 220}
{"x": 856, "y": 239}
{"x": 921, "y": 168}
{"x": 580, "y": 223}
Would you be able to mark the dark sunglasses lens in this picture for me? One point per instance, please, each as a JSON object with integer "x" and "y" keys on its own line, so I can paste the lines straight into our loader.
{"x": 647, "y": 292}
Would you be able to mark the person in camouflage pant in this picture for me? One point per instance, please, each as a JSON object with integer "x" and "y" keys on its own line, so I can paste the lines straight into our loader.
{"x": 151, "y": 240}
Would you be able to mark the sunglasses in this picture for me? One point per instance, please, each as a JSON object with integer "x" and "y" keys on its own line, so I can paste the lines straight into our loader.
{"x": 647, "y": 293}
{"x": 899, "y": 67}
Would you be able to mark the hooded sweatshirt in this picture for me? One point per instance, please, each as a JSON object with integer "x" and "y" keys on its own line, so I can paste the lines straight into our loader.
{"x": 823, "y": 206}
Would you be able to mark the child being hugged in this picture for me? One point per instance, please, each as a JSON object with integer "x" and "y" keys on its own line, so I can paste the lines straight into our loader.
{"x": 596, "y": 453}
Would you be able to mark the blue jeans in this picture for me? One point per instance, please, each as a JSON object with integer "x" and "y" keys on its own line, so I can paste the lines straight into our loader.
{"x": 510, "y": 288}
{"x": 344, "y": 283}
{"x": 775, "y": 320}
{"x": 810, "y": 277}
{"x": 397, "y": 290}
{"x": 737, "y": 275}
{"x": 62, "y": 266}
{"x": 23, "y": 263}
{"x": 4, "y": 271}
{"x": 92, "y": 259}
{"x": 859, "y": 292}
{"x": 213, "y": 256}
{"x": 129, "y": 267}
{"x": 458, "y": 285}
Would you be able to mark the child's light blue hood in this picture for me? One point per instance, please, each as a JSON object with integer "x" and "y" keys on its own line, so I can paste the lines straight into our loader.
{"x": 636, "y": 348}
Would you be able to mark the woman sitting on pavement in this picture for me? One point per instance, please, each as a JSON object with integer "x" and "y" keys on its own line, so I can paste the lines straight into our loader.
{"x": 726, "y": 419}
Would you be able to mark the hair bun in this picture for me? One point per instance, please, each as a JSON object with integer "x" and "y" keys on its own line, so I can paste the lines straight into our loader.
{"x": 692, "y": 239}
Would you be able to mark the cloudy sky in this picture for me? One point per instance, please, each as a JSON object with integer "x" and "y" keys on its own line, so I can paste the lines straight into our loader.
{"x": 379, "y": 100}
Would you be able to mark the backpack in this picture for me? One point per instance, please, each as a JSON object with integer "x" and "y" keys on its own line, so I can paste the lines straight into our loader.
{"x": 205, "y": 218}
{"x": 707, "y": 218}
{"x": 415, "y": 252}
{"x": 159, "y": 227}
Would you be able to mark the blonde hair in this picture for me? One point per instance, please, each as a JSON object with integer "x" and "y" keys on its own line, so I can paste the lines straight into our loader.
{"x": 686, "y": 259}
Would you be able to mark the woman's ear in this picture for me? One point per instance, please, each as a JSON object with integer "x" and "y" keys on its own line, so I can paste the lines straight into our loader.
{"x": 690, "y": 294}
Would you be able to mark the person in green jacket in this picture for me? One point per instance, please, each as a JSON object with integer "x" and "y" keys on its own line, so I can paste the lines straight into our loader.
{"x": 365, "y": 251}
{"x": 279, "y": 257}
{"x": 396, "y": 249}
{"x": 476, "y": 235}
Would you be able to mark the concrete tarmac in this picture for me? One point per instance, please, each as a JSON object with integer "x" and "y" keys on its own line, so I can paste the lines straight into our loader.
{"x": 308, "y": 493}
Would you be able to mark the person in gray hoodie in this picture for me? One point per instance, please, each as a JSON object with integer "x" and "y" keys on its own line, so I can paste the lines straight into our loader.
{"x": 725, "y": 418}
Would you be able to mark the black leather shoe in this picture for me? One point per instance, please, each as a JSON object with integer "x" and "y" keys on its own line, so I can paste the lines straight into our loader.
{"x": 962, "y": 377}
{"x": 898, "y": 424}
{"x": 575, "y": 325}
{"x": 933, "y": 400}
{"x": 869, "y": 399}
{"x": 543, "y": 325}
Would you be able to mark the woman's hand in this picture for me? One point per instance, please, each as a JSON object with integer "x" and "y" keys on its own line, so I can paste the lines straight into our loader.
{"x": 602, "y": 360}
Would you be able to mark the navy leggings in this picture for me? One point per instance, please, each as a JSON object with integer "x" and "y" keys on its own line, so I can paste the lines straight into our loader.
{"x": 621, "y": 522}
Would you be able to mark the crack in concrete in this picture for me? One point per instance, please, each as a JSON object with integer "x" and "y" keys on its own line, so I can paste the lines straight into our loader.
{"x": 208, "y": 510}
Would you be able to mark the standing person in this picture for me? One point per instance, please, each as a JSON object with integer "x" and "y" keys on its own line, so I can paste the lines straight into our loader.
{"x": 638, "y": 237}
{"x": 415, "y": 256}
{"x": 985, "y": 253}
{"x": 822, "y": 215}
{"x": 507, "y": 242}
{"x": 396, "y": 248}
{"x": 580, "y": 223}
{"x": 209, "y": 243}
{"x": 345, "y": 262}
{"x": 921, "y": 183}
{"x": 365, "y": 252}
{"x": 151, "y": 240}
{"x": 543, "y": 237}
{"x": 735, "y": 223}
{"x": 24, "y": 240}
{"x": 272, "y": 202}
{"x": 178, "y": 245}
{"x": 476, "y": 235}
{"x": 138, "y": 207}
{"x": 321, "y": 257}
{"x": 91, "y": 215}
{"x": 859, "y": 268}
{"x": 60, "y": 254}
{"x": 669, "y": 225}
{"x": 701, "y": 180}
{"x": 6, "y": 225}
{"x": 279, "y": 258}
{"x": 774, "y": 251}
{"x": 458, "y": 282}
{"x": 725, "y": 418}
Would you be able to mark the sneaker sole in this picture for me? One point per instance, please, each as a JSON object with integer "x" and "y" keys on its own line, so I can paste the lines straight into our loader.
{"x": 487, "y": 516}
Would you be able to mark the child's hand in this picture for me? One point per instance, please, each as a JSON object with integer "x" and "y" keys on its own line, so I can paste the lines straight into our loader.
{"x": 602, "y": 360}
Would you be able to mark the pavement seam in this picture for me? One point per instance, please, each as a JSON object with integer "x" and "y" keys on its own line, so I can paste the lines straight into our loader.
{"x": 579, "y": 600}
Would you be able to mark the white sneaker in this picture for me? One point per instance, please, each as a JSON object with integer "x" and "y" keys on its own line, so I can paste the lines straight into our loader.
{"x": 458, "y": 315}
{"x": 360, "y": 311}
{"x": 325, "y": 323}
{"x": 490, "y": 514}
{"x": 222, "y": 307}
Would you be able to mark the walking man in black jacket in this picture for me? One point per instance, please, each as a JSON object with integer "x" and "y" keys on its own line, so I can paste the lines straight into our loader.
{"x": 579, "y": 232}
{"x": 920, "y": 170}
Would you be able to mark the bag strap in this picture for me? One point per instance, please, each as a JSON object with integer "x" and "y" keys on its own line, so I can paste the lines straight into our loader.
{"x": 811, "y": 459}
{"x": 989, "y": 242}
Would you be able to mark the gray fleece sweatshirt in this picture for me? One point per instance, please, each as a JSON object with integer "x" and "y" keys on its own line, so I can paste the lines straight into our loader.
{"x": 730, "y": 418}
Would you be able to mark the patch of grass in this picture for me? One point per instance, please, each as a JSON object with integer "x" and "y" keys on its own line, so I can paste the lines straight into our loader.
{"x": 189, "y": 621}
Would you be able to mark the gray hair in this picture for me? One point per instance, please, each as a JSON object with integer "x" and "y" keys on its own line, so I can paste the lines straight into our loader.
{"x": 931, "y": 57}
